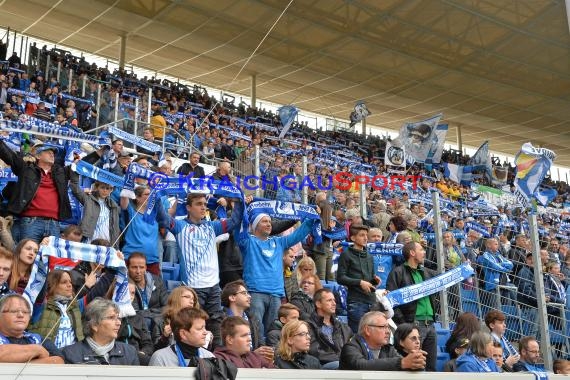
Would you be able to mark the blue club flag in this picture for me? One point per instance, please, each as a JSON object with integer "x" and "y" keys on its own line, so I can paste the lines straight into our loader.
{"x": 359, "y": 113}
{"x": 532, "y": 165}
{"x": 287, "y": 115}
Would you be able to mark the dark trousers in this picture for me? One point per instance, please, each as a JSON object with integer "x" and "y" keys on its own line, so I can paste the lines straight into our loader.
{"x": 429, "y": 343}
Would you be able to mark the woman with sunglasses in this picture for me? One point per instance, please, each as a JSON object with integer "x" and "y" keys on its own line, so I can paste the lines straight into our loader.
{"x": 293, "y": 347}
{"x": 407, "y": 338}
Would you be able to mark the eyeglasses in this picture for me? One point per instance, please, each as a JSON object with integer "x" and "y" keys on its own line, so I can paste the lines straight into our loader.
{"x": 244, "y": 292}
{"x": 17, "y": 311}
{"x": 304, "y": 334}
{"x": 112, "y": 318}
{"x": 414, "y": 338}
{"x": 385, "y": 327}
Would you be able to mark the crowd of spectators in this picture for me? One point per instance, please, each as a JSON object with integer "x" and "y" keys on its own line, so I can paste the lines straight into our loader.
{"x": 252, "y": 297}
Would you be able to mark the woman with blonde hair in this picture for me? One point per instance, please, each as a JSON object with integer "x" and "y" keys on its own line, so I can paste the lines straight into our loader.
{"x": 293, "y": 347}
{"x": 180, "y": 297}
{"x": 304, "y": 267}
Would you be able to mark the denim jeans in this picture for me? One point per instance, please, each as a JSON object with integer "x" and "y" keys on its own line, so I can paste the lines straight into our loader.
{"x": 265, "y": 308}
{"x": 34, "y": 228}
{"x": 355, "y": 311}
{"x": 170, "y": 251}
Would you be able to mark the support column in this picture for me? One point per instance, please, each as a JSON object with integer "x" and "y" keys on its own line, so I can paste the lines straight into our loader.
{"x": 363, "y": 124}
{"x": 459, "y": 138}
{"x": 122, "y": 52}
{"x": 253, "y": 90}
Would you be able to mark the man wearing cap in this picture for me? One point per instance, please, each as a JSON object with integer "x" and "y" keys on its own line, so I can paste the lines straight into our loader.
{"x": 263, "y": 265}
{"x": 39, "y": 199}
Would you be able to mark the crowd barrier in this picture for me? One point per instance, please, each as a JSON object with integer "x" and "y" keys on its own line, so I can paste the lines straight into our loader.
{"x": 81, "y": 372}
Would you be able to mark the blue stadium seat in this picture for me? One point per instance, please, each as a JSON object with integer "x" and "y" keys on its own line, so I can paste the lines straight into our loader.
{"x": 442, "y": 336}
{"x": 170, "y": 272}
{"x": 469, "y": 301}
{"x": 171, "y": 284}
{"x": 442, "y": 358}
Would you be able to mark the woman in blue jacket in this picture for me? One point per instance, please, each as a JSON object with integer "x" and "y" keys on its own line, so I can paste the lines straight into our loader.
{"x": 478, "y": 357}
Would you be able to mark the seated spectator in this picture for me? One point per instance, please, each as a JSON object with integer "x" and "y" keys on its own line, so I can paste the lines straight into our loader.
{"x": 101, "y": 325}
{"x": 496, "y": 322}
{"x": 328, "y": 334}
{"x": 561, "y": 367}
{"x": 478, "y": 357}
{"x": 303, "y": 298}
{"x": 236, "y": 337}
{"x": 150, "y": 294}
{"x": 370, "y": 349}
{"x": 24, "y": 257}
{"x": 529, "y": 355}
{"x": 287, "y": 312}
{"x": 60, "y": 317}
{"x": 236, "y": 301}
{"x": 179, "y": 298}
{"x": 292, "y": 352}
{"x": 189, "y": 329}
{"x": 407, "y": 339}
{"x": 460, "y": 347}
{"x": 134, "y": 331}
{"x": 6, "y": 259}
{"x": 16, "y": 344}
{"x": 465, "y": 325}
{"x": 498, "y": 358}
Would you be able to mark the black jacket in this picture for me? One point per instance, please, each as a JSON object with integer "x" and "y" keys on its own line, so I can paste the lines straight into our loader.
{"x": 81, "y": 353}
{"x": 304, "y": 303}
{"x": 134, "y": 332}
{"x": 273, "y": 335}
{"x": 353, "y": 266}
{"x": 186, "y": 168}
{"x": 321, "y": 347}
{"x": 29, "y": 177}
{"x": 158, "y": 297}
{"x": 354, "y": 356}
{"x": 300, "y": 360}
{"x": 399, "y": 277}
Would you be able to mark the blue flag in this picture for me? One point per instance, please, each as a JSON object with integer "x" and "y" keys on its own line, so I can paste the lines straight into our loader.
{"x": 287, "y": 115}
{"x": 532, "y": 165}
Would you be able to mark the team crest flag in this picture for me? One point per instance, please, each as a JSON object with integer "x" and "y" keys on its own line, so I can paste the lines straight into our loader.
{"x": 532, "y": 165}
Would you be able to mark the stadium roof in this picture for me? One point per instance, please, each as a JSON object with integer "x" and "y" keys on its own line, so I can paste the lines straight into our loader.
{"x": 498, "y": 68}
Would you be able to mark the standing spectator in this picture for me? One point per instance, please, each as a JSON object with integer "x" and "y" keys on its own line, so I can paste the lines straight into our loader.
{"x": 495, "y": 268}
{"x": 192, "y": 168}
{"x": 39, "y": 199}
{"x": 420, "y": 312}
{"x": 263, "y": 265}
{"x": 16, "y": 344}
{"x": 356, "y": 271}
{"x": 198, "y": 256}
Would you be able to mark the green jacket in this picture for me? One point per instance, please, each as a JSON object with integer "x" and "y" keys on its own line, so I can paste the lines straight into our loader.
{"x": 50, "y": 317}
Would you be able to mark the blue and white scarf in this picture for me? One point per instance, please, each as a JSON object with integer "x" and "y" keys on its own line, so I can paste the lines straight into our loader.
{"x": 138, "y": 141}
{"x": 478, "y": 228}
{"x": 85, "y": 169}
{"x": 44, "y": 128}
{"x": 289, "y": 211}
{"x": 433, "y": 285}
{"x": 76, "y": 99}
{"x": 61, "y": 248}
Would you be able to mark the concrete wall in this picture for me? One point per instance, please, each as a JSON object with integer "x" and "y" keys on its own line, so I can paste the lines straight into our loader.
{"x": 85, "y": 372}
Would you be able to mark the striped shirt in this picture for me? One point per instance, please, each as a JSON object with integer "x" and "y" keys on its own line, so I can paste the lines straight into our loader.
{"x": 199, "y": 255}
{"x": 102, "y": 226}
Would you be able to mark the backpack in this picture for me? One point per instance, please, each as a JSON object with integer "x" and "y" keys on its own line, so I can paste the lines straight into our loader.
{"x": 215, "y": 369}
